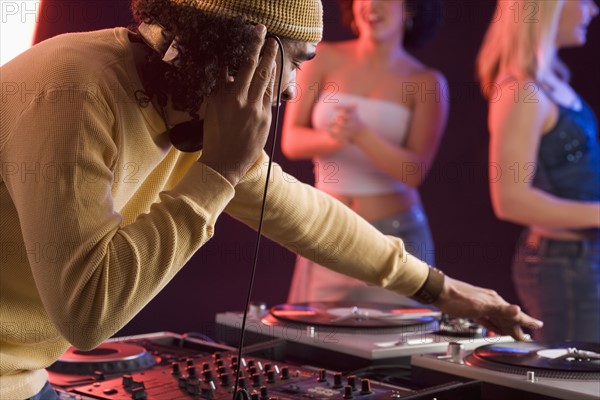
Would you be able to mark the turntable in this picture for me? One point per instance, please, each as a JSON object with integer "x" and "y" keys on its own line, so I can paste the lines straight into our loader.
{"x": 568, "y": 370}
{"x": 346, "y": 335}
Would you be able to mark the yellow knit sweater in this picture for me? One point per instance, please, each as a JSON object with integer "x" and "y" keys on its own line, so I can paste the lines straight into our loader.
{"x": 99, "y": 212}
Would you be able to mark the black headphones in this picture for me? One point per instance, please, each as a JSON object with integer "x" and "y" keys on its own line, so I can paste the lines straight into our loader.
{"x": 188, "y": 136}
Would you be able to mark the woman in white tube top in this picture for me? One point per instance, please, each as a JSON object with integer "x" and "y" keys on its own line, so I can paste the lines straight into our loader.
{"x": 370, "y": 116}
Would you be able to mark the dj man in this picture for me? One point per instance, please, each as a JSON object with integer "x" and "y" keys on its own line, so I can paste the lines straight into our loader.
{"x": 100, "y": 209}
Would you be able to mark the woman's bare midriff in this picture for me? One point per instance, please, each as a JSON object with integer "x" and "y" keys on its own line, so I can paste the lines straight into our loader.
{"x": 376, "y": 207}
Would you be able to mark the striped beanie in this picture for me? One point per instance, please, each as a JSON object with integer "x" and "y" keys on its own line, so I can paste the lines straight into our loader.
{"x": 295, "y": 19}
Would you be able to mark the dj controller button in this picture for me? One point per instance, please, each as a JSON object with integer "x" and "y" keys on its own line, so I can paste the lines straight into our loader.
{"x": 110, "y": 391}
{"x": 531, "y": 376}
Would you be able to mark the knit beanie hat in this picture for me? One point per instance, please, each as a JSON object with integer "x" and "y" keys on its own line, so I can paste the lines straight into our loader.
{"x": 295, "y": 19}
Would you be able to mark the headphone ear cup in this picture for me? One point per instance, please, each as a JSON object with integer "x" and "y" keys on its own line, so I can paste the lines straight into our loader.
{"x": 188, "y": 137}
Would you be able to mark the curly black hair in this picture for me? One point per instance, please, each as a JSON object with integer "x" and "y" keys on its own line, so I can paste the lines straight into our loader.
{"x": 208, "y": 45}
{"x": 427, "y": 18}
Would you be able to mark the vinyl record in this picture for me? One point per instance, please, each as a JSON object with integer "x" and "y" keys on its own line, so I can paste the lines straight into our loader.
{"x": 352, "y": 315}
{"x": 567, "y": 360}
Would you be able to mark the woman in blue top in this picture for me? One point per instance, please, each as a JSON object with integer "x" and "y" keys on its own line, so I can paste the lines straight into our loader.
{"x": 545, "y": 162}
{"x": 371, "y": 117}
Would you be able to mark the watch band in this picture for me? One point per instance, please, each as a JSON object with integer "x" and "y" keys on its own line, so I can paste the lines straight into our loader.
{"x": 432, "y": 288}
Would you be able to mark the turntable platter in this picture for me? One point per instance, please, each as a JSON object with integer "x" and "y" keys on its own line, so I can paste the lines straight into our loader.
{"x": 568, "y": 360}
{"x": 353, "y": 315}
{"x": 109, "y": 358}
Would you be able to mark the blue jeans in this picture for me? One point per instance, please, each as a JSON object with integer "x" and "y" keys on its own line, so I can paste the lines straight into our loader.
{"x": 558, "y": 281}
{"x": 313, "y": 282}
{"x": 47, "y": 393}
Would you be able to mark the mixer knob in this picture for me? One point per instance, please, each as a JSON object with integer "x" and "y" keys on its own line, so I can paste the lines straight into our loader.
{"x": 189, "y": 362}
{"x": 352, "y": 382}
{"x": 175, "y": 369}
{"x": 224, "y": 378}
{"x": 220, "y": 362}
{"x": 192, "y": 372}
{"x": 337, "y": 381}
{"x": 135, "y": 384}
{"x": 252, "y": 370}
{"x": 207, "y": 375}
{"x": 256, "y": 380}
{"x": 285, "y": 373}
{"x": 182, "y": 382}
{"x": 208, "y": 392}
{"x": 99, "y": 376}
{"x": 268, "y": 367}
{"x": 242, "y": 383}
{"x": 217, "y": 355}
{"x": 192, "y": 386}
{"x": 250, "y": 363}
{"x": 322, "y": 376}
{"x": 234, "y": 360}
{"x": 234, "y": 367}
{"x": 348, "y": 392}
{"x": 365, "y": 387}
{"x": 264, "y": 393}
{"x": 254, "y": 396}
{"x": 127, "y": 381}
{"x": 271, "y": 376}
{"x": 138, "y": 393}
{"x": 222, "y": 369}
{"x": 205, "y": 366}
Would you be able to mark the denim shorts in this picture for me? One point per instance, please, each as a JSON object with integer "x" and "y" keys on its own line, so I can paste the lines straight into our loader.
{"x": 558, "y": 281}
{"x": 47, "y": 393}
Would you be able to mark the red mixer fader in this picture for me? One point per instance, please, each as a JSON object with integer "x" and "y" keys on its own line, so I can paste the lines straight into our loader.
{"x": 168, "y": 366}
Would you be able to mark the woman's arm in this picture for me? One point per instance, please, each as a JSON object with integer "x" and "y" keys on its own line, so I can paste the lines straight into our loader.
{"x": 517, "y": 121}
